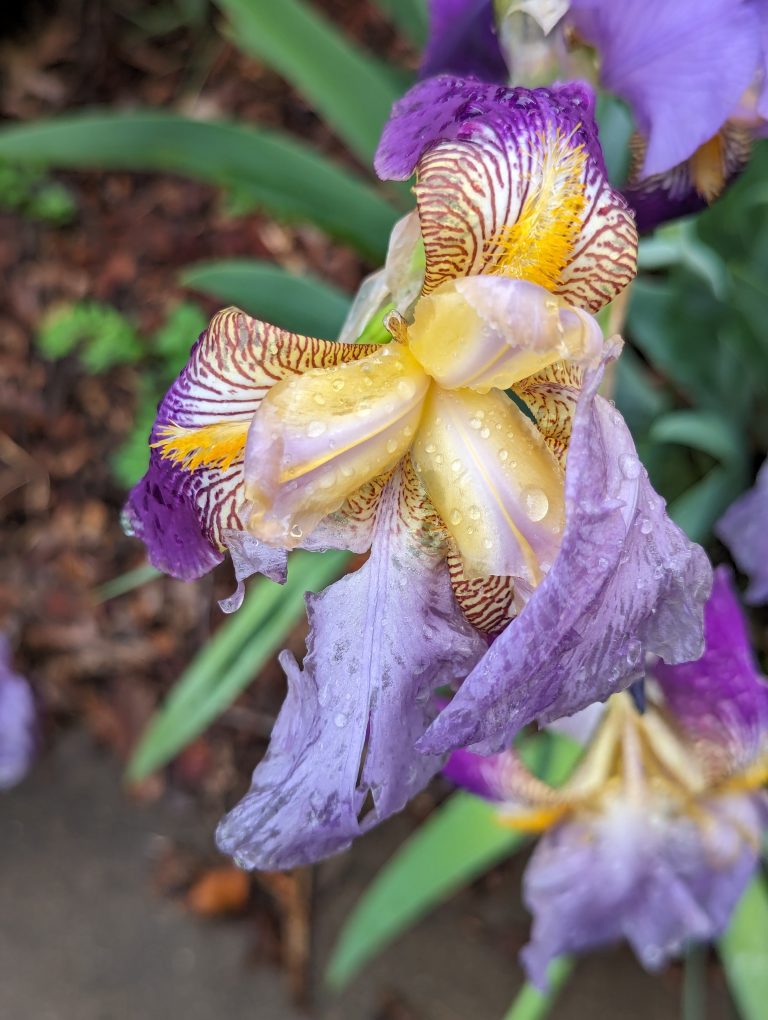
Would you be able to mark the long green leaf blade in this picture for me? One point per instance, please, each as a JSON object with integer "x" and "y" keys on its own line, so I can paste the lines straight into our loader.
{"x": 531, "y": 1004}
{"x": 744, "y": 951}
{"x": 410, "y": 16}
{"x": 299, "y": 303}
{"x": 269, "y": 170}
{"x": 349, "y": 87}
{"x": 232, "y": 659}
{"x": 459, "y": 841}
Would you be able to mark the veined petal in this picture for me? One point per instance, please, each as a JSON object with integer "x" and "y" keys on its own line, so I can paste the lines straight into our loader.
{"x": 552, "y": 396}
{"x": 316, "y": 439}
{"x": 192, "y": 494}
{"x": 485, "y": 332}
{"x": 720, "y": 700}
{"x": 681, "y": 66}
{"x": 380, "y": 641}
{"x": 512, "y": 182}
{"x": 742, "y": 528}
{"x": 494, "y": 482}
{"x": 488, "y": 603}
{"x": 626, "y": 581}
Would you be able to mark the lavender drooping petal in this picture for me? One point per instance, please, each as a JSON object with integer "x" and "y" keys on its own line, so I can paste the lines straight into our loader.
{"x": 744, "y": 529}
{"x": 462, "y": 40}
{"x": 18, "y": 720}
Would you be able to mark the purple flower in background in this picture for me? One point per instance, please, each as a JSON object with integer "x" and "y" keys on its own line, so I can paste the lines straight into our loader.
{"x": 743, "y": 528}
{"x": 17, "y": 722}
{"x": 462, "y": 40}
{"x": 656, "y": 833}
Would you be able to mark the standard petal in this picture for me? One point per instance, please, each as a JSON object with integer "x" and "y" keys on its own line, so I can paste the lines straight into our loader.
{"x": 316, "y": 439}
{"x": 486, "y": 332}
{"x": 18, "y": 721}
{"x": 657, "y": 880}
{"x": 494, "y": 482}
{"x": 626, "y": 581}
{"x": 483, "y": 775}
{"x": 743, "y": 528}
{"x": 721, "y": 700}
{"x": 462, "y": 40}
{"x": 193, "y": 491}
{"x": 381, "y": 639}
{"x": 681, "y": 66}
{"x": 512, "y": 182}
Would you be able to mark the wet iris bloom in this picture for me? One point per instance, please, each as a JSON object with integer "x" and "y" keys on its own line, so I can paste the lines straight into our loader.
{"x": 743, "y": 528}
{"x": 656, "y": 833}
{"x": 478, "y": 509}
{"x": 17, "y": 722}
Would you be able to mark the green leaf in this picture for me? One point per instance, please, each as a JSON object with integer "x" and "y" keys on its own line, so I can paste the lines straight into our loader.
{"x": 701, "y": 430}
{"x": 299, "y": 303}
{"x": 410, "y": 16}
{"x": 350, "y": 88}
{"x": 126, "y": 582}
{"x": 274, "y": 172}
{"x": 460, "y": 841}
{"x": 531, "y": 1004}
{"x": 744, "y": 951}
{"x": 232, "y": 659}
{"x": 704, "y": 502}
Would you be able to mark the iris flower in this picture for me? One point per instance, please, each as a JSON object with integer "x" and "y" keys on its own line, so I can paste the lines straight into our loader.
{"x": 692, "y": 72}
{"x": 17, "y": 722}
{"x": 656, "y": 833}
{"x": 742, "y": 528}
{"x": 270, "y": 441}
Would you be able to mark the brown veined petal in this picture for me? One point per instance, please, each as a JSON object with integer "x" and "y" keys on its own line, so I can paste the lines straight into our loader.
{"x": 528, "y": 205}
{"x": 494, "y": 482}
{"x": 316, "y": 439}
{"x": 192, "y": 494}
{"x": 488, "y": 603}
{"x": 485, "y": 332}
{"x": 551, "y": 396}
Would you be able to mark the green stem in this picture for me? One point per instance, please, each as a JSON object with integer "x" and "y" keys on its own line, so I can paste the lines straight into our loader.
{"x": 531, "y": 1004}
{"x": 694, "y": 1005}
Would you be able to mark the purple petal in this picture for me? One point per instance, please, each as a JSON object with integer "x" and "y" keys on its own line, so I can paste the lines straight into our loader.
{"x": 681, "y": 66}
{"x": 626, "y": 582}
{"x": 744, "y": 529}
{"x": 380, "y": 640}
{"x": 462, "y": 40}
{"x": 447, "y": 108}
{"x": 721, "y": 698}
{"x": 481, "y": 774}
{"x": 654, "y": 879}
{"x": 17, "y": 722}
{"x": 249, "y": 557}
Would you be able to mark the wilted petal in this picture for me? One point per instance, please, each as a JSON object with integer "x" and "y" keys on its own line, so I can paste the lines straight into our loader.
{"x": 721, "y": 700}
{"x": 744, "y": 529}
{"x": 380, "y": 641}
{"x": 692, "y": 185}
{"x": 487, "y": 332}
{"x": 512, "y": 182}
{"x": 657, "y": 880}
{"x": 494, "y": 482}
{"x": 193, "y": 491}
{"x": 17, "y": 722}
{"x": 462, "y": 40}
{"x": 681, "y": 66}
{"x": 318, "y": 438}
{"x": 626, "y": 581}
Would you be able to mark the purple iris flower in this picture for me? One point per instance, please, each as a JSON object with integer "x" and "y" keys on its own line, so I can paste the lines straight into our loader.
{"x": 462, "y": 40}
{"x": 411, "y": 449}
{"x": 657, "y": 832}
{"x": 17, "y": 722}
{"x": 743, "y": 528}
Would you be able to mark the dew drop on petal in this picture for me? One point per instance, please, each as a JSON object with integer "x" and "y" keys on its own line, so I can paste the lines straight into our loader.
{"x": 319, "y": 399}
{"x": 646, "y": 526}
{"x": 503, "y": 455}
{"x": 338, "y": 385}
{"x": 536, "y": 503}
{"x": 391, "y": 445}
{"x": 316, "y": 428}
{"x": 340, "y": 720}
{"x": 456, "y": 517}
{"x": 474, "y": 513}
{"x": 485, "y": 432}
{"x": 475, "y": 422}
{"x": 630, "y": 465}
{"x": 456, "y": 466}
{"x": 430, "y": 448}
{"x": 296, "y": 531}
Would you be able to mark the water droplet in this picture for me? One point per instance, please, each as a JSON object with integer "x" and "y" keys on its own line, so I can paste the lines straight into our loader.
{"x": 485, "y": 432}
{"x": 346, "y": 470}
{"x": 430, "y": 448}
{"x": 340, "y": 720}
{"x": 634, "y": 651}
{"x": 406, "y": 388}
{"x": 316, "y": 428}
{"x": 319, "y": 399}
{"x": 503, "y": 455}
{"x": 474, "y": 513}
{"x": 630, "y": 465}
{"x": 456, "y": 517}
{"x": 456, "y": 466}
{"x": 438, "y": 459}
{"x": 475, "y": 422}
{"x": 646, "y": 525}
{"x": 338, "y": 385}
{"x": 391, "y": 445}
{"x": 536, "y": 503}
{"x": 488, "y": 544}
{"x": 296, "y": 531}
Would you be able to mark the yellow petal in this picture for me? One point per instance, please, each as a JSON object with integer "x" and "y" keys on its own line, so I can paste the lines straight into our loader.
{"x": 486, "y": 332}
{"x": 319, "y": 437}
{"x": 494, "y": 482}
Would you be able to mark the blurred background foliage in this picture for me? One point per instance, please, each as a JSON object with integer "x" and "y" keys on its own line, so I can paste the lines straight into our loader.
{"x": 692, "y": 381}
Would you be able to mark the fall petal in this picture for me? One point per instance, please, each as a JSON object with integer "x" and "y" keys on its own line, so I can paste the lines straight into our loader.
{"x": 462, "y": 40}
{"x": 743, "y": 529}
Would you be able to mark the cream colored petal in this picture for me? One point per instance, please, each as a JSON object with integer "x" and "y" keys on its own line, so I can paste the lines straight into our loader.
{"x": 319, "y": 438}
{"x": 494, "y": 482}
{"x": 485, "y": 332}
